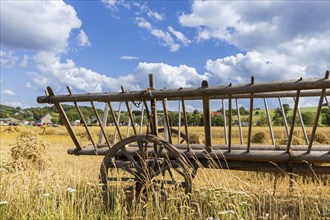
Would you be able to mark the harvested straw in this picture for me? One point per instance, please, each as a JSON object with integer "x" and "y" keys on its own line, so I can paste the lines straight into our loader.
{"x": 321, "y": 138}
{"x": 261, "y": 138}
{"x": 295, "y": 141}
{"x": 28, "y": 151}
{"x": 196, "y": 138}
{"x": 10, "y": 130}
{"x": 111, "y": 138}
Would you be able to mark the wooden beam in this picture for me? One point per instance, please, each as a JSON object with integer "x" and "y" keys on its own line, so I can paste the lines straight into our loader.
{"x": 264, "y": 87}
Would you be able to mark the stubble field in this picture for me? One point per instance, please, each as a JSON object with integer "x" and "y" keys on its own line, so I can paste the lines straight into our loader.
{"x": 59, "y": 186}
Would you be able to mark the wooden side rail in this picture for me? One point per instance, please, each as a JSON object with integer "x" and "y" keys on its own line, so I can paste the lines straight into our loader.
{"x": 189, "y": 93}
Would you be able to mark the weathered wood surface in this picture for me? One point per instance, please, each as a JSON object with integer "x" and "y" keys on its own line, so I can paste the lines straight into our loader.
{"x": 243, "y": 147}
{"x": 238, "y": 155}
{"x": 267, "y": 88}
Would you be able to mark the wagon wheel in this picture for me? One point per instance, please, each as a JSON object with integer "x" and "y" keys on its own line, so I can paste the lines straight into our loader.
{"x": 184, "y": 137}
{"x": 144, "y": 160}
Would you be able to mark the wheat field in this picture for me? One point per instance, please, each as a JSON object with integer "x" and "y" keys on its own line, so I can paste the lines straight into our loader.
{"x": 50, "y": 184}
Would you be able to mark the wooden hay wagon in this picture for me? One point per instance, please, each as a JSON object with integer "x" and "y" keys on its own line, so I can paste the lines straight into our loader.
{"x": 157, "y": 156}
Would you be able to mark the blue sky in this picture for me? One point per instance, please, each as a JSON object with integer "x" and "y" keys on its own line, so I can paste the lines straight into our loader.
{"x": 96, "y": 46}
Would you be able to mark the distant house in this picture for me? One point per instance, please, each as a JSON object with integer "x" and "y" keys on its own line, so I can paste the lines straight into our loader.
{"x": 9, "y": 121}
{"x": 47, "y": 119}
{"x": 24, "y": 122}
{"x": 216, "y": 113}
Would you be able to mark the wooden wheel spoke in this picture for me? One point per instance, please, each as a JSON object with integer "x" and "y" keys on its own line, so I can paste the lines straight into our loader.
{"x": 146, "y": 166}
{"x": 162, "y": 170}
{"x": 130, "y": 158}
{"x": 134, "y": 173}
{"x": 142, "y": 147}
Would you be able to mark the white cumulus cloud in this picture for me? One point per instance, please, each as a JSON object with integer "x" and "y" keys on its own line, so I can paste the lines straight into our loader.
{"x": 83, "y": 39}
{"x": 179, "y": 36}
{"x": 8, "y": 92}
{"x": 37, "y": 25}
{"x": 27, "y": 85}
{"x": 53, "y": 71}
{"x": 150, "y": 13}
{"x": 143, "y": 23}
{"x": 8, "y": 59}
{"x": 282, "y": 39}
{"x": 110, "y": 3}
{"x": 129, "y": 58}
{"x": 169, "y": 76}
{"x": 166, "y": 39}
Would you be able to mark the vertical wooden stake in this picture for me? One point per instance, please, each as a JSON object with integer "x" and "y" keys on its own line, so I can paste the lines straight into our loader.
{"x": 207, "y": 119}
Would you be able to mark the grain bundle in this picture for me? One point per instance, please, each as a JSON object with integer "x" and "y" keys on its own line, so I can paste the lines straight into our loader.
{"x": 261, "y": 138}
{"x": 10, "y": 130}
{"x": 111, "y": 138}
{"x": 295, "y": 141}
{"x": 321, "y": 138}
{"x": 196, "y": 138}
{"x": 28, "y": 151}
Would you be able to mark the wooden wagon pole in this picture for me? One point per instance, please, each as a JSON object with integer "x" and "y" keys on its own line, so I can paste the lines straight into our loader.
{"x": 293, "y": 120}
{"x": 167, "y": 127}
{"x": 302, "y": 123}
{"x": 179, "y": 122}
{"x": 269, "y": 122}
{"x": 141, "y": 122}
{"x": 316, "y": 120}
{"x": 250, "y": 118}
{"x": 149, "y": 124}
{"x": 104, "y": 121}
{"x": 224, "y": 121}
{"x": 239, "y": 122}
{"x": 229, "y": 122}
{"x": 130, "y": 121}
{"x": 185, "y": 123}
{"x": 118, "y": 121}
{"x": 100, "y": 124}
{"x": 327, "y": 101}
{"x": 82, "y": 118}
{"x": 129, "y": 112}
{"x": 284, "y": 117}
{"x": 65, "y": 119}
{"x": 153, "y": 103}
{"x": 115, "y": 121}
{"x": 207, "y": 119}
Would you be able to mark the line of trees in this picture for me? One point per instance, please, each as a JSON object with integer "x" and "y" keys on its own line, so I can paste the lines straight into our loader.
{"x": 194, "y": 118}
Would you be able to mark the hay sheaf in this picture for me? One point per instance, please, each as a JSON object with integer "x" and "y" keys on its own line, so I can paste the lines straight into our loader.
{"x": 197, "y": 138}
{"x": 295, "y": 141}
{"x": 10, "y": 130}
{"x": 321, "y": 138}
{"x": 261, "y": 138}
{"x": 28, "y": 152}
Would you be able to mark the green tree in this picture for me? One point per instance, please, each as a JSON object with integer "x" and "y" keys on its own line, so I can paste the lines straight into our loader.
{"x": 308, "y": 118}
{"x": 263, "y": 121}
{"x": 5, "y": 114}
{"x": 217, "y": 120}
{"x": 278, "y": 118}
{"x": 326, "y": 117}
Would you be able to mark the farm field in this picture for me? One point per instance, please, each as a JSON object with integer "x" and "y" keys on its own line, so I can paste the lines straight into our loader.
{"x": 60, "y": 186}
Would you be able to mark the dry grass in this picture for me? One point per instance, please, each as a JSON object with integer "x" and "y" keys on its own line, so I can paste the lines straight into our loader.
{"x": 69, "y": 188}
